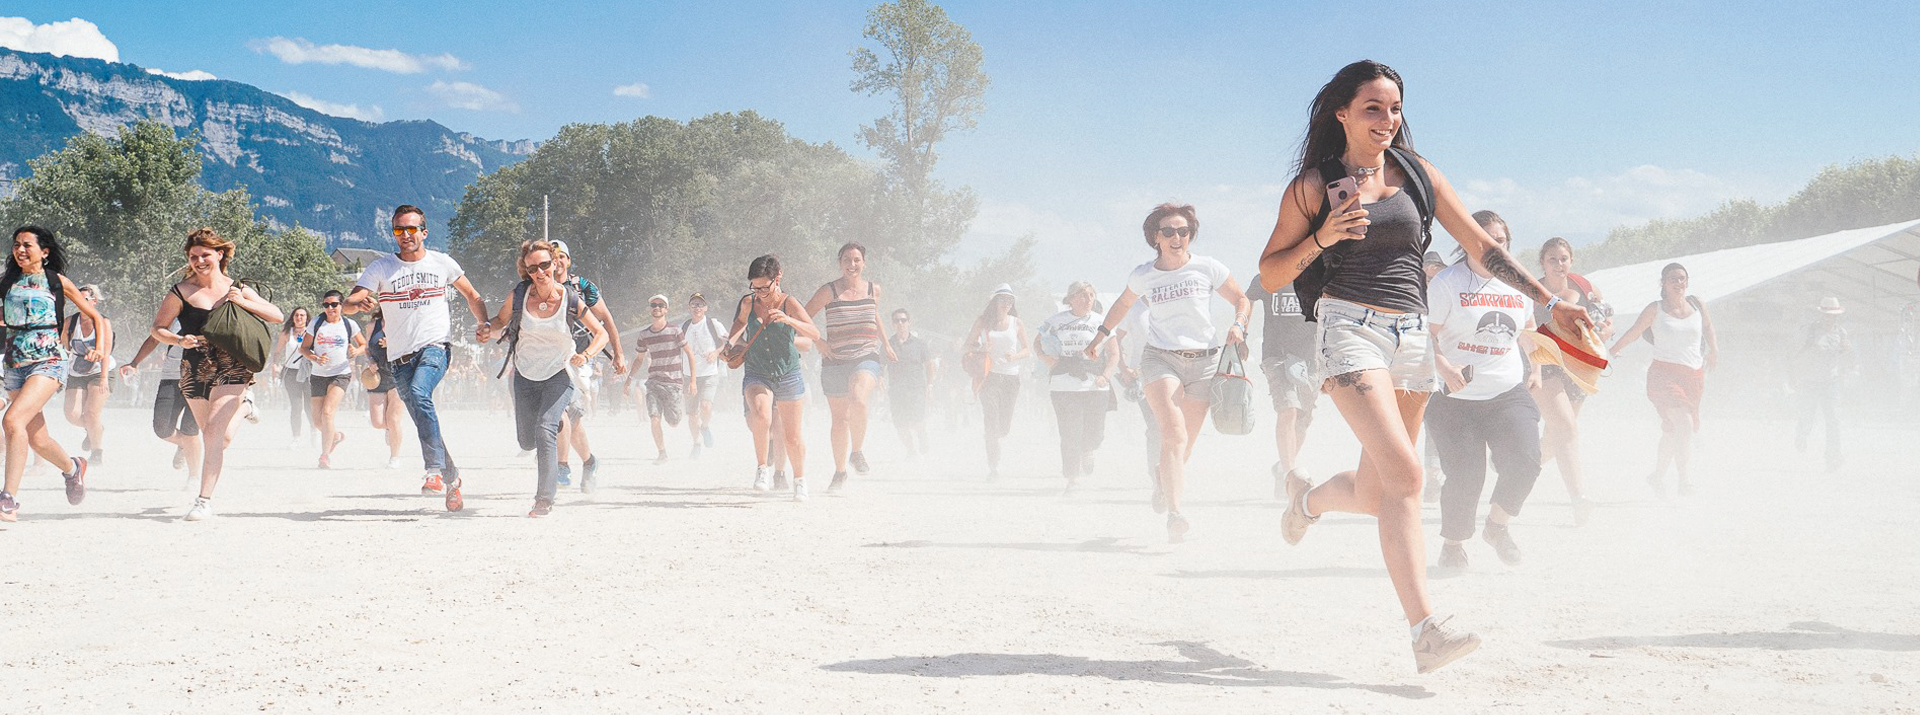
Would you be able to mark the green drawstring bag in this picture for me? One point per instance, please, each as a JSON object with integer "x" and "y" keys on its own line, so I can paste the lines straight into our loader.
{"x": 240, "y": 333}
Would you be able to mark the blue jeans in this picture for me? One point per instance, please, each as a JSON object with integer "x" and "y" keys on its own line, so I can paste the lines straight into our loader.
{"x": 417, "y": 375}
{"x": 537, "y": 407}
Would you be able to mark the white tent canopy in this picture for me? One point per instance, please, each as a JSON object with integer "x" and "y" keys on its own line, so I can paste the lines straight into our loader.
{"x": 1867, "y": 268}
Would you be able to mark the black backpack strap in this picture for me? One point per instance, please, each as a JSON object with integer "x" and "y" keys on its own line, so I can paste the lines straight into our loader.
{"x": 1422, "y": 186}
{"x": 1307, "y": 285}
{"x": 513, "y": 323}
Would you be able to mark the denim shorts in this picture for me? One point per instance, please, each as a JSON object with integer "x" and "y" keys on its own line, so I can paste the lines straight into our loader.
{"x": 1194, "y": 370}
{"x": 836, "y": 378}
{"x": 16, "y": 377}
{"x": 786, "y": 388}
{"x": 1354, "y": 338}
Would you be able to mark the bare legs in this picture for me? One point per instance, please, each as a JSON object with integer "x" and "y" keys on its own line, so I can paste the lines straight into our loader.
{"x": 760, "y": 421}
{"x": 850, "y": 418}
{"x": 216, "y": 416}
{"x": 1560, "y": 438}
{"x": 1180, "y": 418}
{"x": 83, "y": 409}
{"x": 383, "y": 411}
{"x": 323, "y": 410}
{"x": 1387, "y": 484}
{"x": 1676, "y": 448}
{"x": 27, "y": 428}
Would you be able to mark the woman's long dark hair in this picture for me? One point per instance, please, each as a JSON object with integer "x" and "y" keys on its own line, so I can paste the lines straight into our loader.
{"x": 289, "y": 325}
{"x": 1326, "y": 137}
{"x": 55, "y": 263}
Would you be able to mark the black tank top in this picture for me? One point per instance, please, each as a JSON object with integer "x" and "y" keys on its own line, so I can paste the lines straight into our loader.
{"x": 193, "y": 321}
{"x": 1384, "y": 268}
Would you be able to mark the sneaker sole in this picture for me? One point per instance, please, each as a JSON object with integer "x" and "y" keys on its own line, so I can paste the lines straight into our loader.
{"x": 1462, "y": 652}
{"x": 455, "y": 500}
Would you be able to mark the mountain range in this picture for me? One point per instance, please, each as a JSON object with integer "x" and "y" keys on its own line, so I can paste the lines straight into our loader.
{"x": 336, "y": 176}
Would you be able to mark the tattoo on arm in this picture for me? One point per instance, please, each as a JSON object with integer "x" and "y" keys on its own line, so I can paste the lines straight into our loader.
{"x": 1307, "y": 260}
{"x": 1502, "y": 266}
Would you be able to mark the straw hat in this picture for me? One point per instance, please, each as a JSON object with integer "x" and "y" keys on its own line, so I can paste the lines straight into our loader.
{"x": 1577, "y": 351}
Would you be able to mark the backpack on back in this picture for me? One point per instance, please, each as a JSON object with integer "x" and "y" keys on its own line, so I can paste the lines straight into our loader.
{"x": 573, "y": 307}
{"x": 1307, "y": 286}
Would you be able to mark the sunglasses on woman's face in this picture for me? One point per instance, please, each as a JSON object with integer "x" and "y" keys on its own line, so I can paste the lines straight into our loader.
{"x": 761, "y": 288}
{"x": 1170, "y": 232}
{"x": 540, "y": 267}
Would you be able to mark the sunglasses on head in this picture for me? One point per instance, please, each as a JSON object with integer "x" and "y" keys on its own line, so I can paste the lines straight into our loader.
{"x": 405, "y": 230}
{"x": 1170, "y": 232}
{"x": 540, "y": 267}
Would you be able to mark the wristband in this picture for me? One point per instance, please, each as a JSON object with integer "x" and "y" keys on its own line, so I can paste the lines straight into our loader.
{"x": 1105, "y": 331}
{"x": 1551, "y": 302}
{"x": 1316, "y": 240}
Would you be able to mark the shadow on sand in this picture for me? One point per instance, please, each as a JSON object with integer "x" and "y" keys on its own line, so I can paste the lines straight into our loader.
{"x": 1197, "y": 665}
{"x": 1803, "y": 635}
{"x": 1323, "y": 572}
{"x": 1103, "y": 545}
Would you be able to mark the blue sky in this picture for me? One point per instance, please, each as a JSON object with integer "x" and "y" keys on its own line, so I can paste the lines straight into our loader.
{"x": 1568, "y": 118}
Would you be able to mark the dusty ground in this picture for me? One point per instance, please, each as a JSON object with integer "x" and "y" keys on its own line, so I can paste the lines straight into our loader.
{"x": 676, "y": 588}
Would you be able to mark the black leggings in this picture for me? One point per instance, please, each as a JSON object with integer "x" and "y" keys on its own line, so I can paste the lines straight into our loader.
{"x": 1508, "y": 425}
{"x": 297, "y": 400}
{"x": 1083, "y": 426}
{"x": 997, "y": 398}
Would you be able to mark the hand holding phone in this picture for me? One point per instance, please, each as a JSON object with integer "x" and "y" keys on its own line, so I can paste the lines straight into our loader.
{"x": 1339, "y": 193}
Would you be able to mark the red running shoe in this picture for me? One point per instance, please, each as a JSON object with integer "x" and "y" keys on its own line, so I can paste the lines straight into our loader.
{"x": 432, "y": 485}
{"x": 541, "y": 507}
{"x": 454, "y": 501}
{"x": 76, "y": 481}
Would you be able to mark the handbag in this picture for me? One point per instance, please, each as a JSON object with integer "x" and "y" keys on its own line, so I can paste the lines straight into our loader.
{"x": 736, "y": 355}
{"x": 241, "y": 334}
{"x": 1232, "y": 394}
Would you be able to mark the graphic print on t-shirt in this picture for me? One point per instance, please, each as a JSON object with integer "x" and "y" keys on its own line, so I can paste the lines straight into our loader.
{"x": 1497, "y": 329}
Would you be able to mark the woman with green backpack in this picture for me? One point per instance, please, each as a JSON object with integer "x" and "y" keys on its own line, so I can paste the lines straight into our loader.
{"x": 212, "y": 377}
{"x": 33, "y": 294}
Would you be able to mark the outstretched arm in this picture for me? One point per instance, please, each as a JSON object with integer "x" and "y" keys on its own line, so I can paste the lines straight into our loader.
{"x": 1453, "y": 215}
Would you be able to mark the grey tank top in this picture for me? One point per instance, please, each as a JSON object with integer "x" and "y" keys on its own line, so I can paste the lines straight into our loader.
{"x": 1383, "y": 268}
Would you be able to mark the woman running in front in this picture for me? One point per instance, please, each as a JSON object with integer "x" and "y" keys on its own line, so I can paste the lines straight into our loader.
{"x": 1684, "y": 349}
{"x": 1180, "y": 358}
{"x": 36, "y": 359}
{"x": 210, "y": 378}
{"x": 540, "y": 345}
{"x": 288, "y": 372}
{"x": 998, "y": 334}
{"x": 384, "y": 408}
{"x": 331, "y": 344}
{"x": 1375, "y": 354}
{"x": 87, "y": 379}
{"x": 849, "y": 317}
{"x": 1482, "y": 328}
{"x": 765, "y": 324}
{"x": 1558, "y": 396}
{"x": 1081, "y": 387}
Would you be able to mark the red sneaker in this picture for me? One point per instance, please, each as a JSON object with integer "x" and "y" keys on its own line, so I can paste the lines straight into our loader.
{"x": 541, "y": 507}
{"x": 432, "y": 485}
{"x": 455, "y": 502}
{"x": 76, "y": 481}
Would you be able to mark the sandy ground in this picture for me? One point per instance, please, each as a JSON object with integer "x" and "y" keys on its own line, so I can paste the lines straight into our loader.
{"x": 925, "y": 589}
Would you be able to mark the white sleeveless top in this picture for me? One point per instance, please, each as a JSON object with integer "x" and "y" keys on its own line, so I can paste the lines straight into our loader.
{"x": 1000, "y": 344}
{"x": 546, "y": 344}
{"x": 1677, "y": 340}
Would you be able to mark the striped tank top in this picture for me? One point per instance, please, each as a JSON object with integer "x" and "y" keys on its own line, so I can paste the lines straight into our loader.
{"x": 851, "y": 328}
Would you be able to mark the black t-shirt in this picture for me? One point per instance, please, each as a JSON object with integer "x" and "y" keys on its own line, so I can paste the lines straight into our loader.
{"x": 1285, "y": 332}
{"x": 910, "y": 373}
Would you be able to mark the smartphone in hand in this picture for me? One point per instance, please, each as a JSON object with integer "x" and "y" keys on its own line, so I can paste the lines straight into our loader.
{"x": 1341, "y": 191}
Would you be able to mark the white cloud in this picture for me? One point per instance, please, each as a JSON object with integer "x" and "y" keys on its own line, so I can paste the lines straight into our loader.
{"x": 299, "y": 51}
{"x": 467, "y": 95}
{"x": 67, "y": 38}
{"x": 637, "y": 90}
{"x": 370, "y": 113}
{"x": 191, "y": 75}
{"x": 1584, "y": 208}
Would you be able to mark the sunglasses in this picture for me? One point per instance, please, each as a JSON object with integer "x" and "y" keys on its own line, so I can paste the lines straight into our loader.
{"x": 760, "y": 289}
{"x": 330, "y": 305}
{"x": 900, "y": 321}
{"x": 1170, "y": 232}
{"x": 656, "y": 305}
{"x": 405, "y": 230}
{"x": 540, "y": 267}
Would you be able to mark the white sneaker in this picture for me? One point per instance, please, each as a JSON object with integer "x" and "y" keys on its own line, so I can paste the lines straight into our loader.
{"x": 201, "y": 510}
{"x": 246, "y": 402}
{"x": 799, "y": 489}
{"x": 393, "y": 463}
{"x": 760, "y": 478}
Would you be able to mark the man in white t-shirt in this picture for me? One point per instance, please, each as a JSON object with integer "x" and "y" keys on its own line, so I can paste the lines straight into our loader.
{"x": 1482, "y": 330}
{"x": 705, "y": 336}
{"x": 411, "y": 288}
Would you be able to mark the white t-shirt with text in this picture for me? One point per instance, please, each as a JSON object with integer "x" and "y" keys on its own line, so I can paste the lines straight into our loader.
{"x": 331, "y": 340}
{"x": 413, "y": 298}
{"x": 1477, "y": 322}
{"x": 1179, "y": 302}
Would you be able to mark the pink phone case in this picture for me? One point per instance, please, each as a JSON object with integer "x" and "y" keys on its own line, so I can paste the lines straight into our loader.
{"x": 1339, "y": 192}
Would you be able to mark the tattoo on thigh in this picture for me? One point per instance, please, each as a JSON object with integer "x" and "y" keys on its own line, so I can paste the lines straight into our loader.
{"x": 1352, "y": 379}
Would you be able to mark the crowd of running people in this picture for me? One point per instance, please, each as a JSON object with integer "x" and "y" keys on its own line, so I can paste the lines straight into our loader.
{"x": 1352, "y": 303}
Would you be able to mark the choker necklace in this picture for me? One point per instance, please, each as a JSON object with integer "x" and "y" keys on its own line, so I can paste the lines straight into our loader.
{"x": 1362, "y": 173}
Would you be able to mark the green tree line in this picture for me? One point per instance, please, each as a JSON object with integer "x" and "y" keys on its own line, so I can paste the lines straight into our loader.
{"x": 122, "y": 207}
{"x": 1842, "y": 196}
